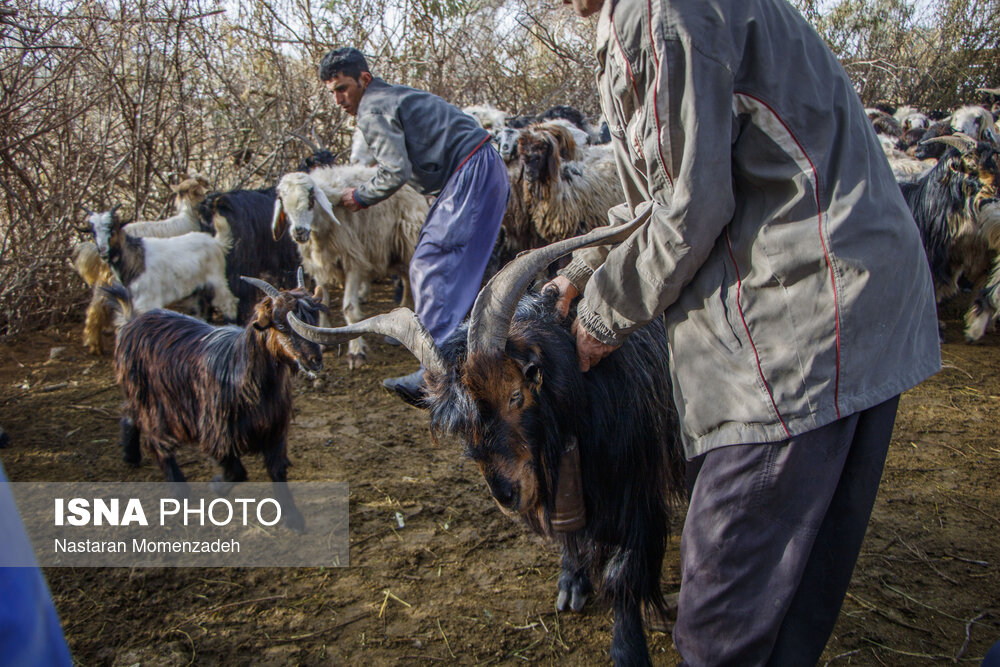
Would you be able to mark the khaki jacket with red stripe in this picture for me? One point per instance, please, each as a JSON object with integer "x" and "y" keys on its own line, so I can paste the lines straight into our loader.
{"x": 777, "y": 245}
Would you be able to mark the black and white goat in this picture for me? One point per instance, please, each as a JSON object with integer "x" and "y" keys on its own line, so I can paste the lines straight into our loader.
{"x": 947, "y": 204}
{"x": 509, "y": 386}
{"x": 160, "y": 271}
{"x": 188, "y": 195}
{"x": 227, "y": 390}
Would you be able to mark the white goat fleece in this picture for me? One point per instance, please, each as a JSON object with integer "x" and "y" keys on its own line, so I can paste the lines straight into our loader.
{"x": 579, "y": 136}
{"x": 489, "y": 117}
{"x": 179, "y": 265}
{"x": 188, "y": 196}
{"x": 338, "y": 246}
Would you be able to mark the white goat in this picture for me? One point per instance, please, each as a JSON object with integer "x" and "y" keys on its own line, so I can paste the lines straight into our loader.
{"x": 909, "y": 118}
{"x": 337, "y": 245}
{"x": 506, "y": 140}
{"x": 160, "y": 271}
{"x": 189, "y": 193}
{"x": 976, "y": 122}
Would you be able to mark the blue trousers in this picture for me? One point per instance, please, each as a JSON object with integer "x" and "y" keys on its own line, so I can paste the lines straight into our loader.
{"x": 771, "y": 538}
{"x": 456, "y": 241}
{"x": 29, "y": 626}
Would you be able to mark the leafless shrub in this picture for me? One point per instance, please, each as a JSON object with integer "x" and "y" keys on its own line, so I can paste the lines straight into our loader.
{"x": 103, "y": 101}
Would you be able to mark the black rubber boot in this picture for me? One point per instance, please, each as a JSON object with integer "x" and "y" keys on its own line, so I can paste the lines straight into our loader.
{"x": 410, "y": 388}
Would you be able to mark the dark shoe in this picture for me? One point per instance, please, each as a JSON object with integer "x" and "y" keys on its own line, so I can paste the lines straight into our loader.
{"x": 410, "y": 388}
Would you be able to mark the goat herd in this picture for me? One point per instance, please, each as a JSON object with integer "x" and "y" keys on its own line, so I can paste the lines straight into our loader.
{"x": 222, "y": 251}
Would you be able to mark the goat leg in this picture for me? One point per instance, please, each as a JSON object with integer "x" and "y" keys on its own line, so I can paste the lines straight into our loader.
{"x": 232, "y": 472}
{"x": 984, "y": 309}
{"x": 628, "y": 641}
{"x": 357, "y": 349}
{"x": 131, "y": 452}
{"x": 574, "y": 582}
{"x": 277, "y": 469}
{"x": 171, "y": 471}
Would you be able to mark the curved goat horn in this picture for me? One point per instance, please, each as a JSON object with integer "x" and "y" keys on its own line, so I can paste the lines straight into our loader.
{"x": 311, "y": 144}
{"x": 401, "y": 323}
{"x": 263, "y": 286}
{"x": 963, "y": 142}
{"x": 300, "y": 278}
{"x": 495, "y": 306}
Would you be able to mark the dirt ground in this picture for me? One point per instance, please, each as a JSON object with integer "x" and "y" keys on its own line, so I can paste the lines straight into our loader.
{"x": 461, "y": 583}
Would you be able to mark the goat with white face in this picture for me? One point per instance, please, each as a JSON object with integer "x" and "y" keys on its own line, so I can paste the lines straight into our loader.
{"x": 507, "y": 142}
{"x": 159, "y": 271}
{"x": 352, "y": 248}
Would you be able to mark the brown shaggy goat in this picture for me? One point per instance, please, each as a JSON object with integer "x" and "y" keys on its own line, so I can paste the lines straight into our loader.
{"x": 227, "y": 390}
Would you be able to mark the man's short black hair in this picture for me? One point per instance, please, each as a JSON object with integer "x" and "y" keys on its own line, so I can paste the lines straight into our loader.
{"x": 346, "y": 60}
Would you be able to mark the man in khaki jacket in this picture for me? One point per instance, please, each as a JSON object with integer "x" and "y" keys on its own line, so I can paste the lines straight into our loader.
{"x": 797, "y": 298}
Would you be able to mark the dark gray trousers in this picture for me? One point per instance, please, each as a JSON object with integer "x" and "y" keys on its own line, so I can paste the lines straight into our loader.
{"x": 771, "y": 538}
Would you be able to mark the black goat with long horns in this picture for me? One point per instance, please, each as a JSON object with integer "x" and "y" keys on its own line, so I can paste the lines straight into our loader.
{"x": 508, "y": 385}
{"x": 226, "y": 389}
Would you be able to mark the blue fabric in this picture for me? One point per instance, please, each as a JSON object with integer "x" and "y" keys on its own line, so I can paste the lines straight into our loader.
{"x": 456, "y": 241}
{"x": 29, "y": 626}
{"x": 992, "y": 658}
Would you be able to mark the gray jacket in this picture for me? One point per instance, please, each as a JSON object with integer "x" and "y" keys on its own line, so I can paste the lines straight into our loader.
{"x": 416, "y": 138}
{"x": 777, "y": 245}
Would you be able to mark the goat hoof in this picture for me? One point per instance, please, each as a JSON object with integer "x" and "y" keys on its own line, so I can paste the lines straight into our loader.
{"x": 133, "y": 461}
{"x": 220, "y": 487}
{"x": 355, "y": 361}
{"x": 573, "y": 592}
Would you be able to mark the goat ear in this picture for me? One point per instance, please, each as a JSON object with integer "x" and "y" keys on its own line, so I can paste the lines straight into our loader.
{"x": 263, "y": 314}
{"x": 552, "y": 159}
{"x": 324, "y": 203}
{"x": 279, "y": 223}
{"x": 531, "y": 368}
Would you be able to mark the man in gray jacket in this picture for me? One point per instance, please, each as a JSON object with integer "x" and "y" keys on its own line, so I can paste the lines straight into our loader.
{"x": 420, "y": 139}
{"x": 798, "y": 303}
